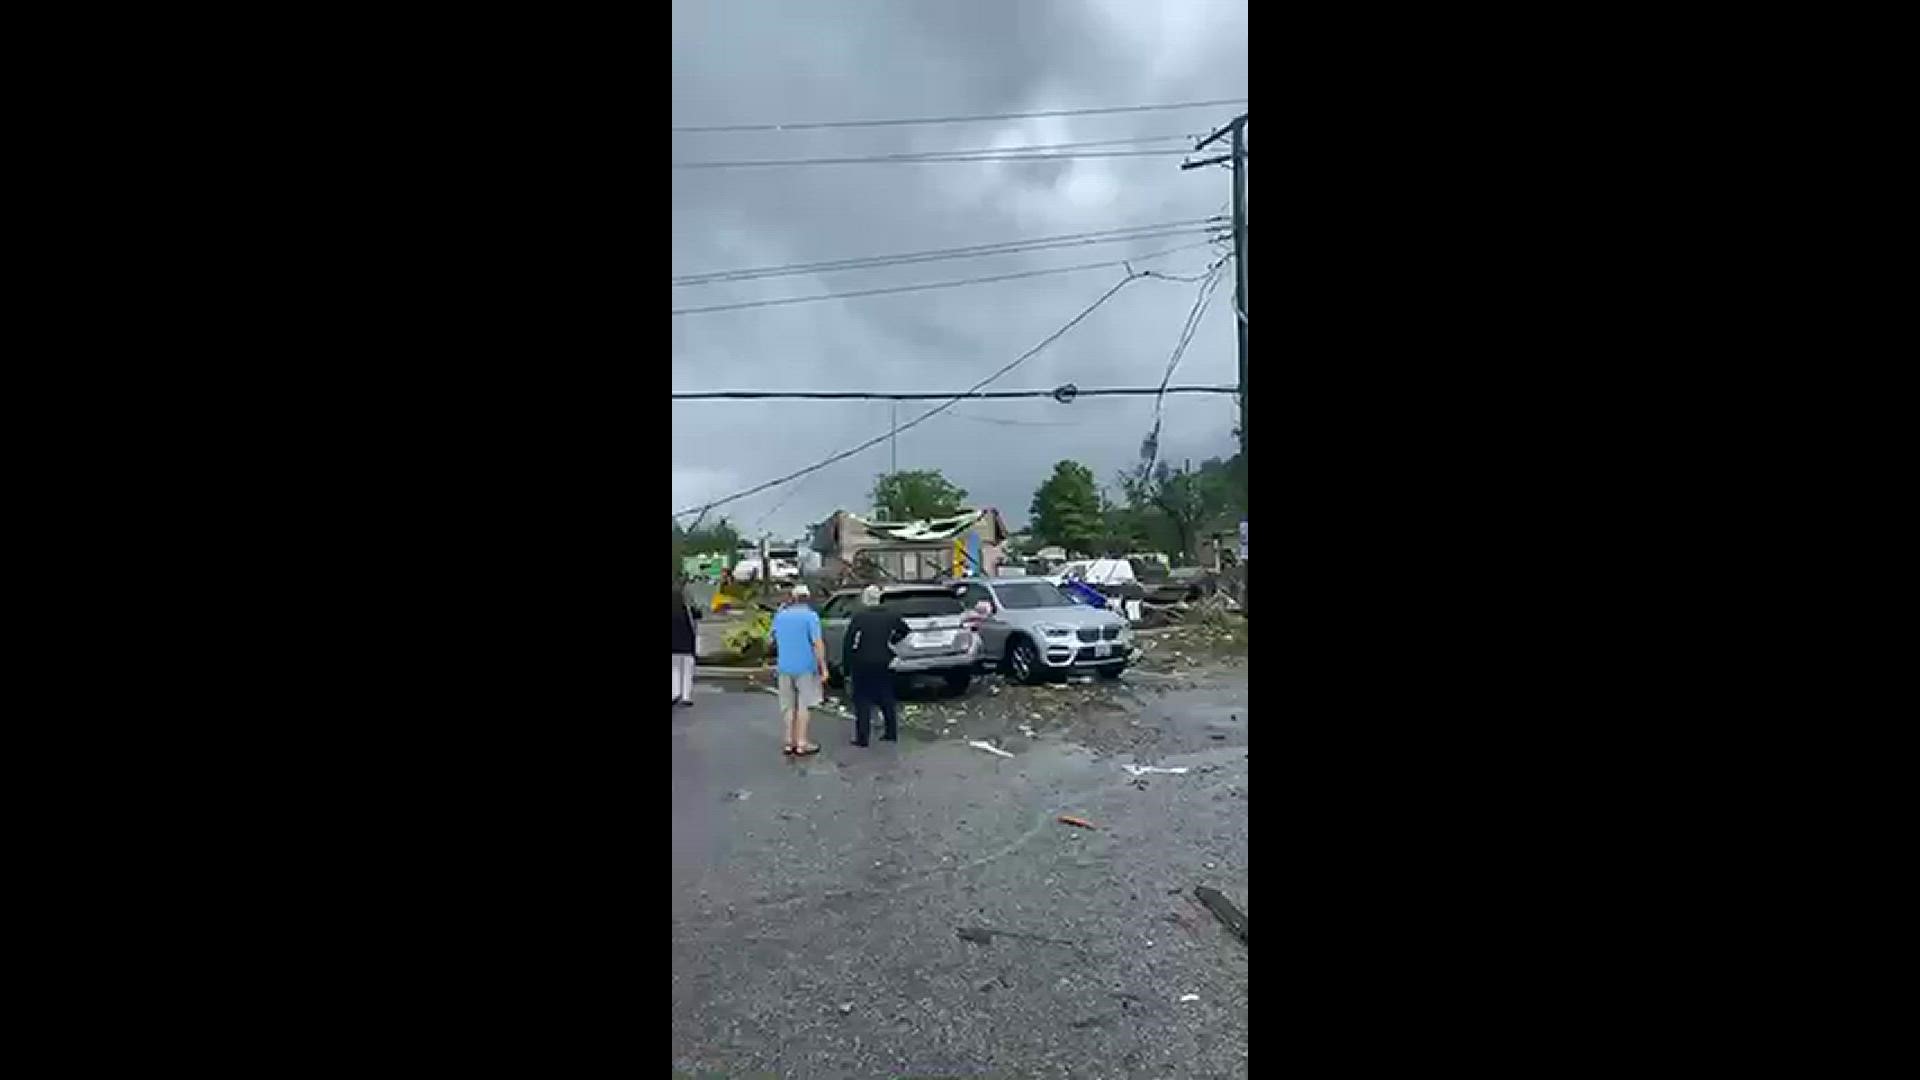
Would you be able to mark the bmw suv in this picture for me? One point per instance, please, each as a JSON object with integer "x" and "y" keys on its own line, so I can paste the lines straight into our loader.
{"x": 1035, "y": 630}
{"x": 939, "y": 643}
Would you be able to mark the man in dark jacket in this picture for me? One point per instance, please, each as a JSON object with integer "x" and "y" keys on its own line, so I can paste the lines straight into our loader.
{"x": 683, "y": 646}
{"x": 866, "y": 658}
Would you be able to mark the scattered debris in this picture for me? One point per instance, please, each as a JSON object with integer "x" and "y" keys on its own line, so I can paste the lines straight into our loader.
{"x": 1223, "y": 909}
{"x": 1189, "y": 997}
{"x": 980, "y": 935}
{"x": 1141, "y": 770}
{"x": 741, "y": 795}
{"x": 1027, "y": 730}
{"x": 988, "y": 747}
{"x": 1068, "y": 819}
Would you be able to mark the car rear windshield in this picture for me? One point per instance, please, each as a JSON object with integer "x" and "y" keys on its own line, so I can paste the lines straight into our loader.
{"x": 1031, "y": 594}
{"x": 918, "y": 605}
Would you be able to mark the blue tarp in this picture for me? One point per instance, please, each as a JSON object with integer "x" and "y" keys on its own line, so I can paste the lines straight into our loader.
{"x": 1085, "y": 593}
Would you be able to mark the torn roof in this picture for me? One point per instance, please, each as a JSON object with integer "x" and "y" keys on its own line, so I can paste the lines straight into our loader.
{"x": 941, "y": 528}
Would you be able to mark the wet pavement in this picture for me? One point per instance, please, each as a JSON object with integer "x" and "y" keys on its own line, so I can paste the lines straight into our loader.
{"x": 917, "y": 908}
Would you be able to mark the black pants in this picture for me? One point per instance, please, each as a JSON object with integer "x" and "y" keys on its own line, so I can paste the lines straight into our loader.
{"x": 872, "y": 688}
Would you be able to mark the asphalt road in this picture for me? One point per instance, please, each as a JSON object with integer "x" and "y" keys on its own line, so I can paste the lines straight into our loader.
{"x": 817, "y": 903}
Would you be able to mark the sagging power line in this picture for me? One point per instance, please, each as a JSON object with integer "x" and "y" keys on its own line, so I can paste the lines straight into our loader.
{"x": 1150, "y": 446}
{"x": 1065, "y": 394}
{"x": 965, "y": 153}
{"x": 922, "y": 159}
{"x": 814, "y": 125}
{"x": 1005, "y": 247}
{"x": 744, "y": 304}
{"x": 972, "y": 391}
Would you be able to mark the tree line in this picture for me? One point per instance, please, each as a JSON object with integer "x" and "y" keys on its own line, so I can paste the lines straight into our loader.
{"x": 1163, "y": 507}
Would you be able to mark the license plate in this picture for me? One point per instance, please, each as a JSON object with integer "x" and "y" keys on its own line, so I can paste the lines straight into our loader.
{"x": 1102, "y": 649}
{"x": 931, "y": 639}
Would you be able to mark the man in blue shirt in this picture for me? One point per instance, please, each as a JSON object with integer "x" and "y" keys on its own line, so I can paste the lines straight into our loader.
{"x": 801, "y": 668}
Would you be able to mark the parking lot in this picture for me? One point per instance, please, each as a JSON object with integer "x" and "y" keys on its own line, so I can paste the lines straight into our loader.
{"x": 919, "y": 908}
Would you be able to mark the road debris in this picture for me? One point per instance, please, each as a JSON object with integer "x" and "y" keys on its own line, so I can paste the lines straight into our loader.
{"x": 846, "y": 1007}
{"x": 741, "y": 795}
{"x": 988, "y": 747}
{"x": 1189, "y": 997}
{"x": 1142, "y": 770}
{"x": 980, "y": 935}
{"x": 1027, "y": 730}
{"x": 1068, "y": 819}
{"x": 1223, "y": 909}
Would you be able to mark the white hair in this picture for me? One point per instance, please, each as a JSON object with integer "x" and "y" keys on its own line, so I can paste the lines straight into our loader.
{"x": 870, "y": 596}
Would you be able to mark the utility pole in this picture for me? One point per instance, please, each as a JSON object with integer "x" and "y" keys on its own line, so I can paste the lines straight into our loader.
{"x": 893, "y": 428}
{"x": 1240, "y": 264}
{"x": 1237, "y": 156}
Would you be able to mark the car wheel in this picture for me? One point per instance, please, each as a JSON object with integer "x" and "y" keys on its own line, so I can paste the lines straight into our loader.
{"x": 957, "y": 682}
{"x": 1111, "y": 671}
{"x": 1023, "y": 661}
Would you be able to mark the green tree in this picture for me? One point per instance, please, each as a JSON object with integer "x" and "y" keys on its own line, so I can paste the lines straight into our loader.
{"x": 1066, "y": 510}
{"x": 915, "y": 494}
{"x": 1187, "y": 501}
{"x": 719, "y": 538}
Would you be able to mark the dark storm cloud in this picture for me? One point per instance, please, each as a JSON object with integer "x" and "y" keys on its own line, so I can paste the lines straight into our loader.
{"x": 753, "y": 61}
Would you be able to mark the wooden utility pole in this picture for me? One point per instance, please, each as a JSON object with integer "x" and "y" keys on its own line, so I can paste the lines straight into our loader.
{"x": 1237, "y": 156}
{"x": 1240, "y": 263}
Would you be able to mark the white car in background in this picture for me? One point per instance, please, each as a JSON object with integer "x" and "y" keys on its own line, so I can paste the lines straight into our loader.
{"x": 1096, "y": 572}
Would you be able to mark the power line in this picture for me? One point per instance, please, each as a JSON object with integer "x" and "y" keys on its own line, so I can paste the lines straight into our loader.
{"x": 1098, "y": 236}
{"x": 1150, "y": 446}
{"x": 936, "y": 284}
{"x": 929, "y": 414}
{"x": 1066, "y": 393}
{"x": 771, "y": 510}
{"x": 1010, "y": 422}
{"x": 922, "y": 159}
{"x": 936, "y": 155}
{"x": 819, "y": 124}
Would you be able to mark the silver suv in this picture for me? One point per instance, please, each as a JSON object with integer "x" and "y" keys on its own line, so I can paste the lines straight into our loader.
{"x": 1036, "y": 630}
{"x": 939, "y": 645}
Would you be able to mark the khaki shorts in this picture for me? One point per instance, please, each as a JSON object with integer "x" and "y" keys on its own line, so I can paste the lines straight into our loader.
{"x": 799, "y": 691}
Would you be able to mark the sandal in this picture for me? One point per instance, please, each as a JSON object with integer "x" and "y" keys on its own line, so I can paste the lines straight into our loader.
{"x": 803, "y": 751}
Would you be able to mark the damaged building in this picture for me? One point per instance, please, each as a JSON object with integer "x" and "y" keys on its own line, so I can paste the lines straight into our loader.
{"x": 858, "y": 549}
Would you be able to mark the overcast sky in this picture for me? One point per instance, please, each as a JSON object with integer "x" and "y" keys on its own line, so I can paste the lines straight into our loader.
{"x": 770, "y": 61}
